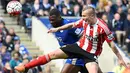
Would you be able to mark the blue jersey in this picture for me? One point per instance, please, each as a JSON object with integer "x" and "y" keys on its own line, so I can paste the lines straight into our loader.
{"x": 69, "y": 36}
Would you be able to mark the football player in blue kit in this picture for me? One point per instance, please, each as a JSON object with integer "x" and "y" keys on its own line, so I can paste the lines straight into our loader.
{"x": 64, "y": 37}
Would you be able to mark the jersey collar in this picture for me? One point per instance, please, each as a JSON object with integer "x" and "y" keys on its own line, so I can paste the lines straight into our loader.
{"x": 96, "y": 22}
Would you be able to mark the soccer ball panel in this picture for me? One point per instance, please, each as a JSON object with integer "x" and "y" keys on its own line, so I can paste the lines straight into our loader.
{"x": 14, "y": 7}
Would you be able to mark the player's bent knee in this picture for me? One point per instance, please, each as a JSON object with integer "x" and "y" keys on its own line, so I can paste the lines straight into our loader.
{"x": 57, "y": 54}
{"x": 53, "y": 55}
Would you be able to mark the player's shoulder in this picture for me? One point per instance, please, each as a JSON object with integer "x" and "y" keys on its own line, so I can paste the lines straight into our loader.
{"x": 70, "y": 20}
{"x": 66, "y": 21}
{"x": 103, "y": 25}
{"x": 101, "y": 21}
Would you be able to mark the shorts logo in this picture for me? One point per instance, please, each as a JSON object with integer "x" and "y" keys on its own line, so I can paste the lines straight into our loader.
{"x": 96, "y": 58}
{"x": 63, "y": 46}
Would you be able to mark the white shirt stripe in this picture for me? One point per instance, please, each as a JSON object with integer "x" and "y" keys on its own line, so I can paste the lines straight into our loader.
{"x": 105, "y": 28}
{"x": 86, "y": 40}
{"x": 95, "y": 42}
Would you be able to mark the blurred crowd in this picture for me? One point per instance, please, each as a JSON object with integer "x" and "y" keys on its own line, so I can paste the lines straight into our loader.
{"x": 12, "y": 52}
{"x": 116, "y": 13}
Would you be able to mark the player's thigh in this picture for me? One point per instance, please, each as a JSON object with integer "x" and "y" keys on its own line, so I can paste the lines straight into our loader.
{"x": 69, "y": 68}
{"x": 92, "y": 67}
{"x": 57, "y": 54}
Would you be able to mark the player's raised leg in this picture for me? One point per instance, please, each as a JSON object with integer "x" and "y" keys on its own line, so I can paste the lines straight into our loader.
{"x": 41, "y": 60}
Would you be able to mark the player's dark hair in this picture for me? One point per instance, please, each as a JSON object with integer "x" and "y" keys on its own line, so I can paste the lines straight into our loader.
{"x": 55, "y": 12}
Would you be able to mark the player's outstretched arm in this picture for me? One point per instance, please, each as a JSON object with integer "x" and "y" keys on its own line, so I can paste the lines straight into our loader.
{"x": 115, "y": 50}
{"x": 67, "y": 26}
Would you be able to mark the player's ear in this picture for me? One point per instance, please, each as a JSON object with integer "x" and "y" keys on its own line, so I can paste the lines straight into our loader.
{"x": 92, "y": 15}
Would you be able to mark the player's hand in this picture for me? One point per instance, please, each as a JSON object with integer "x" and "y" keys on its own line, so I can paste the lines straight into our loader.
{"x": 121, "y": 62}
{"x": 52, "y": 30}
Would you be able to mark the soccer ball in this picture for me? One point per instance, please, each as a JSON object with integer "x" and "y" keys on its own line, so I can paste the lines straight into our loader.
{"x": 14, "y": 7}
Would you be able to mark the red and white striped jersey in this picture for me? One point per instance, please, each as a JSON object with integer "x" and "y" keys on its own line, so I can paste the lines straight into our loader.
{"x": 94, "y": 36}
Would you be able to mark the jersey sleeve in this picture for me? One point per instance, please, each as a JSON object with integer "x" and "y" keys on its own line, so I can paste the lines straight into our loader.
{"x": 108, "y": 35}
{"x": 78, "y": 24}
{"x": 77, "y": 31}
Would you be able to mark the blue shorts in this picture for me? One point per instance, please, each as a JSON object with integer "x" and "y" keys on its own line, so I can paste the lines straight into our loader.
{"x": 75, "y": 61}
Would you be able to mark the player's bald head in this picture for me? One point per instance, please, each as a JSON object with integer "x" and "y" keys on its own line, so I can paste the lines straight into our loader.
{"x": 89, "y": 15}
{"x": 89, "y": 10}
